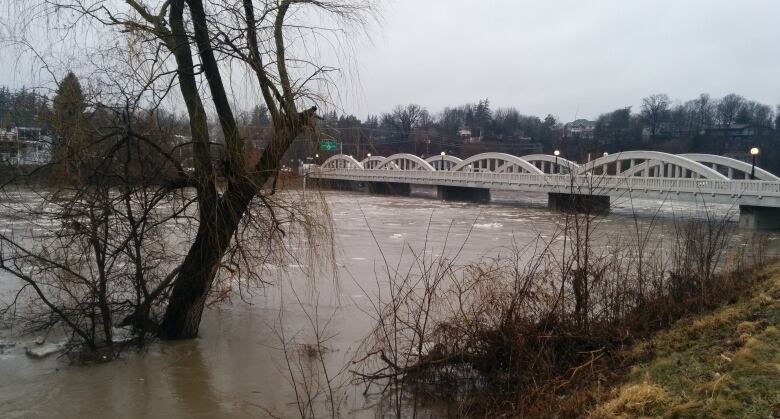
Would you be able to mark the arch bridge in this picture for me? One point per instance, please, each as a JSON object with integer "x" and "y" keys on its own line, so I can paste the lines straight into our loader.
{"x": 631, "y": 174}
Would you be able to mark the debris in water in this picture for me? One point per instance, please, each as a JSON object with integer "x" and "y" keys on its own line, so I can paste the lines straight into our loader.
{"x": 44, "y": 350}
{"x": 122, "y": 334}
{"x": 6, "y": 346}
{"x": 488, "y": 225}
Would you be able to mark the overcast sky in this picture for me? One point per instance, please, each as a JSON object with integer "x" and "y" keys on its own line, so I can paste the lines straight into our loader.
{"x": 568, "y": 57}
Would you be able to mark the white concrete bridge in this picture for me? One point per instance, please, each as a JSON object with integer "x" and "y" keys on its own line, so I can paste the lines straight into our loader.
{"x": 632, "y": 174}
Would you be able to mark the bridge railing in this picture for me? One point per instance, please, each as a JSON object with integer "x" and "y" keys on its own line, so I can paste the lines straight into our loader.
{"x": 594, "y": 184}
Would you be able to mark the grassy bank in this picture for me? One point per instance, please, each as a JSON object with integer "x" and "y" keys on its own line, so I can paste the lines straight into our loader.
{"x": 722, "y": 364}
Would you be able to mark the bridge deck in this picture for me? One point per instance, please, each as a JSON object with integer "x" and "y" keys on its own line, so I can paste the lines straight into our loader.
{"x": 735, "y": 192}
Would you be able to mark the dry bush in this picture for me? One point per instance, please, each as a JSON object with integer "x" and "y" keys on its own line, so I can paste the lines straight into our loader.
{"x": 523, "y": 331}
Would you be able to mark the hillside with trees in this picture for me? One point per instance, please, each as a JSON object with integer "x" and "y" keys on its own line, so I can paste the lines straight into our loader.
{"x": 724, "y": 126}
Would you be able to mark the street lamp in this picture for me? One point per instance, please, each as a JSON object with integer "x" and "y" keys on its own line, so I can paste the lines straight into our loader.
{"x": 556, "y": 153}
{"x": 605, "y": 154}
{"x": 442, "y": 160}
{"x": 753, "y": 152}
{"x": 368, "y": 155}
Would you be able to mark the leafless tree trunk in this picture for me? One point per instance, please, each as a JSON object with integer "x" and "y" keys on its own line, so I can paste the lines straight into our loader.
{"x": 206, "y": 41}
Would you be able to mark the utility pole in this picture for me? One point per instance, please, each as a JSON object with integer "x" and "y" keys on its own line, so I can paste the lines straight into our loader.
{"x": 18, "y": 148}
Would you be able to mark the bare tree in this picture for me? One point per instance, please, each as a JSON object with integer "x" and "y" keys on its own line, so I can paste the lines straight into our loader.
{"x": 700, "y": 113}
{"x": 197, "y": 46}
{"x": 728, "y": 108}
{"x": 406, "y": 118}
{"x": 655, "y": 111}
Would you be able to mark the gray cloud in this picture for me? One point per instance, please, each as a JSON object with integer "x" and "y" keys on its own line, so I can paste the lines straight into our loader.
{"x": 568, "y": 57}
{"x": 565, "y": 57}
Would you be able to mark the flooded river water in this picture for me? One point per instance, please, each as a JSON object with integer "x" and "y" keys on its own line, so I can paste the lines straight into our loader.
{"x": 236, "y": 368}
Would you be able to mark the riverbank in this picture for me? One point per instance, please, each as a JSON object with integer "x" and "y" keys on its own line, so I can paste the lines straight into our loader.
{"x": 725, "y": 363}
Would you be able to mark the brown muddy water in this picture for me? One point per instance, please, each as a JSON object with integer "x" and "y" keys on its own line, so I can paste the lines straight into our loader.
{"x": 237, "y": 368}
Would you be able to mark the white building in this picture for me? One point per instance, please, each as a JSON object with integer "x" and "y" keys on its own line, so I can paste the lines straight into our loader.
{"x": 581, "y": 128}
{"x": 24, "y": 146}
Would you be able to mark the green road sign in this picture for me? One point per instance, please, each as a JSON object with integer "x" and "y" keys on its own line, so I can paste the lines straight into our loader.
{"x": 328, "y": 145}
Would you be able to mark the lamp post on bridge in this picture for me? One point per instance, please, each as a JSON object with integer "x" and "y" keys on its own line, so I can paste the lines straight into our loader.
{"x": 556, "y": 153}
{"x": 442, "y": 160}
{"x": 753, "y": 152}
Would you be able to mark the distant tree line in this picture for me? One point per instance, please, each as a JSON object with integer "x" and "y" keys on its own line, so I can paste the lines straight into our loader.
{"x": 463, "y": 130}
{"x": 729, "y": 126}
{"x": 726, "y": 126}
{"x": 80, "y": 132}
{"x": 24, "y": 108}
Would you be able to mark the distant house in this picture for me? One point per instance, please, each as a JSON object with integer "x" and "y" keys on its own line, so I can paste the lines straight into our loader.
{"x": 581, "y": 129}
{"x": 733, "y": 132}
{"x": 24, "y": 146}
{"x": 470, "y": 135}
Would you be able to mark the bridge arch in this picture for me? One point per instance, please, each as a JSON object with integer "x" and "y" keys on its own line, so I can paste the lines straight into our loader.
{"x": 547, "y": 163}
{"x": 445, "y": 162}
{"x": 649, "y": 164}
{"x": 372, "y": 162}
{"x": 341, "y": 161}
{"x": 732, "y": 167}
{"x": 497, "y": 163}
{"x": 405, "y": 161}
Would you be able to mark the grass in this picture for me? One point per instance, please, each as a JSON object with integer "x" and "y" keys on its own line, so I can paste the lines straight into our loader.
{"x": 719, "y": 365}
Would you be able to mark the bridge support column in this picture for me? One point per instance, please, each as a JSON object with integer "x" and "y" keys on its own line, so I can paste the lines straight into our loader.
{"x": 339, "y": 185}
{"x": 459, "y": 193}
{"x": 759, "y": 218}
{"x": 385, "y": 188}
{"x": 579, "y": 203}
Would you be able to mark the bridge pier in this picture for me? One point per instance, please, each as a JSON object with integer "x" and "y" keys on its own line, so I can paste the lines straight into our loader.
{"x": 340, "y": 185}
{"x": 759, "y": 218}
{"x": 387, "y": 188}
{"x": 579, "y": 203}
{"x": 460, "y": 193}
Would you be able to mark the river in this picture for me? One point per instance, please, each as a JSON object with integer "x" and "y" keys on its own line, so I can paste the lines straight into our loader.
{"x": 236, "y": 367}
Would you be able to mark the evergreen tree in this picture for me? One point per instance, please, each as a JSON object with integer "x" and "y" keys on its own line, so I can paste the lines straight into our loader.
{"x": 260, "y": 116}
{"x": 6, "y": 107}
{"x": 69, "y": 126}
